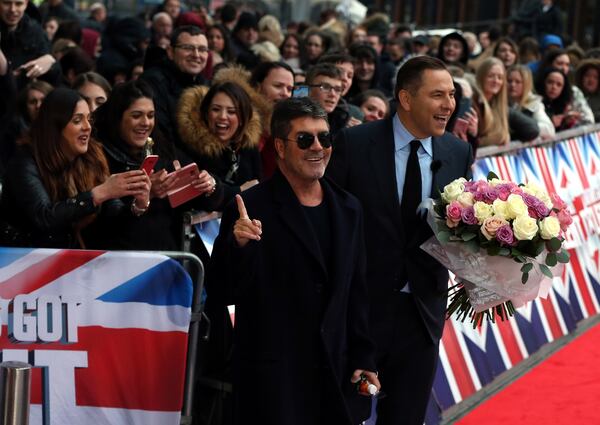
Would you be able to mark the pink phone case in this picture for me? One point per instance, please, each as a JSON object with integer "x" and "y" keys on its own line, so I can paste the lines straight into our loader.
{"x": 183, "y": 190}
{"x": 461, "y": 125}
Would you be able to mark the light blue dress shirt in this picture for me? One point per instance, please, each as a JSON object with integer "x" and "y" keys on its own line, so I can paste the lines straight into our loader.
{"x": 402, "y": 139}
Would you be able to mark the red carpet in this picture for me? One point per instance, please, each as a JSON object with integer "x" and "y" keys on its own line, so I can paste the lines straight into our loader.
{"x": 563, "y": 389}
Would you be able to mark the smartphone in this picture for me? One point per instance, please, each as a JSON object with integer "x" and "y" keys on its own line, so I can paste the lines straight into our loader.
{"x": 464, "y": 106}
{"x": 182, "y": 190}
{"x": 149, "y": 163}
{"x": 460, "y": 125}
{"x": 300, "y": 91}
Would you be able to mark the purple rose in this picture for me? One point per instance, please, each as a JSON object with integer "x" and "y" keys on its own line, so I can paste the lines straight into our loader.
{"x": 490, "y": 194}
{"x": 505, "y": 235}
{"x": 503, "y": 191}
{"x": 479, "y": 196}
{"x": 541, "y": 209}
{"x": 470, "y": 187}
{"x": 530, "y": 200}
{"x": 467, "y": 215}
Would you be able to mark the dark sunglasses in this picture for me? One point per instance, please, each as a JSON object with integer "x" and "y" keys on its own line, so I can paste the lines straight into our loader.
{"x": 305, "y": 140}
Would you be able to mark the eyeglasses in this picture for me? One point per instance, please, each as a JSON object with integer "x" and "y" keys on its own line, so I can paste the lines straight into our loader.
{"x": 190, "y": 48}
{"x": 327, "y": 88}
{"x": 305, "y": 140}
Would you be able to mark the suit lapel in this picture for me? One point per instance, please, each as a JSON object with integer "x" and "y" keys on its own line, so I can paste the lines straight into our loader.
{"x": 444, "y": 173}
{"x": 383, "y": 165}
{"x": 294, "y": 218}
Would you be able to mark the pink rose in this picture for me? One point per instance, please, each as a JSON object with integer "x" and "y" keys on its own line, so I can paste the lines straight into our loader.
{"x": 453, "y": 211}
{"x": 491, "y": 225}
{"x": 565, "y": 219}
{"x": 451, "y": 224}
{"x": 557, "y": 202}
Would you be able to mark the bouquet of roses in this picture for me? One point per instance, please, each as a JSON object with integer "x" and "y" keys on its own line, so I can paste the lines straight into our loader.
{"x": 500, "y": 239}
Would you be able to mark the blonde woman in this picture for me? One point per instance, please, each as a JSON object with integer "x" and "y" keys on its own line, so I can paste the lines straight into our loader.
{"x": 491, "y": 103}
{"x": 522, "y": 98}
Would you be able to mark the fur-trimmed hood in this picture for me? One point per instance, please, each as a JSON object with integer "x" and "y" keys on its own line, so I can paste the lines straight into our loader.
{"x": 195, "y": 133}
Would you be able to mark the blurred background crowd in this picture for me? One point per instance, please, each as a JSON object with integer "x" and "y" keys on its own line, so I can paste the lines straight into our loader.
{"x": 90, "y": 89}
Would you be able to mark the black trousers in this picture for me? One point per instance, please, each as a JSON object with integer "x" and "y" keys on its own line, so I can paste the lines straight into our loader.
{"x": 406, "y": 361}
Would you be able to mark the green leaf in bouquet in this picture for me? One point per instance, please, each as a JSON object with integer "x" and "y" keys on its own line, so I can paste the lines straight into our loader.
{"x": 491, "y": 175}
{"x": 472, "y": 246}
{"x": 467, "y": 236}
{"x": 563, "y": 256}
{"x": 493, "y": 250}
{"x": 554, "y": 244}
{"x": 516, "y": 253}
{"x": 505, "y": 252}
{"x": 439, "y": 208}
{"x": 551, "y": 259}
{"x": 524, "y": 278}
{"x": 520, "y": 259}
{"x": 444, "y": 236}
{"x": 546, "y": 271}
{"x": 527, "y": 267}
{"x": 539, "y": 247}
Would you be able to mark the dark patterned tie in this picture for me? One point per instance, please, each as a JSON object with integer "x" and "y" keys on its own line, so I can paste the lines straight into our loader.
{"x": 411, "y": 193}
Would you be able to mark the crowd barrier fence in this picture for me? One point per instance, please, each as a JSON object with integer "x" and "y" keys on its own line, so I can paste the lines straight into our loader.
{"x": 111, "y": 335}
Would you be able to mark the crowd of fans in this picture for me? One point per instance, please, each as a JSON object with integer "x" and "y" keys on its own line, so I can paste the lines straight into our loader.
{"x": 86, "y": 99}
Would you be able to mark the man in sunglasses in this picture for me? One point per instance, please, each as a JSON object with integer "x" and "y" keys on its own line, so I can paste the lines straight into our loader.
{"x": 290, "y": 256}
{"x": 391, "y": 165}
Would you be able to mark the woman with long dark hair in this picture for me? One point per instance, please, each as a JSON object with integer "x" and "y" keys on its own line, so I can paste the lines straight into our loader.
{"x": 555, "y": 89}
{"x": 16, "y": 124}
{"x": 58, "y": 185}
{"x": 221, "y": 130}
{"x": 125, "y": 125}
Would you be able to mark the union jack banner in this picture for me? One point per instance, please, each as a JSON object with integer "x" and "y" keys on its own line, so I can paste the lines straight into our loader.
{"x": 106, "y": 333}
{"x": 471, "y": 358}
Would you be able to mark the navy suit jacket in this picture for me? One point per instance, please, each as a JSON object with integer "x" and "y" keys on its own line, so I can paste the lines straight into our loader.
{"x": 363, "y": 162}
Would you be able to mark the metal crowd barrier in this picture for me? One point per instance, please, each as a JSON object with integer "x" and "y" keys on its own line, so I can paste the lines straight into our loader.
{"x": 517, "y": 145}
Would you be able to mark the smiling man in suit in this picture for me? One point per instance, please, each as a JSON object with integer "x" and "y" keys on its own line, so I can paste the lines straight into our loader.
{"x": 391, "y": 165}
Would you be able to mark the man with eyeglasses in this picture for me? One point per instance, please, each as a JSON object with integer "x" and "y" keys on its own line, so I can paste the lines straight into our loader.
{"x": 290, "y": 256}
{"x": 325, "y": 86}
{"x": 187, "y": 57}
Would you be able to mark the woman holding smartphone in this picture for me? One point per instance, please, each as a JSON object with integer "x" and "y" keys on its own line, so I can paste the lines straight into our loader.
{"x": 58, "y": 189}
{"x": 125, "y": 125}
{"x": 221, "y": 128}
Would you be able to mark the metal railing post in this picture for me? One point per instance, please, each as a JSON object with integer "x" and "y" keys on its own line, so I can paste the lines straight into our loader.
{"x": 15, "y": 389}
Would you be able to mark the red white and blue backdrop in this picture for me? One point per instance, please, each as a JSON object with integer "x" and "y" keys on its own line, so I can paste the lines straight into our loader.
{"x": 106, "y": 333}
{"x": 471, "y": 358}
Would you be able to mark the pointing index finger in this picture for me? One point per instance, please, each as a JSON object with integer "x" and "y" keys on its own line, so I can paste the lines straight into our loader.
{"x": 241, "y": 206}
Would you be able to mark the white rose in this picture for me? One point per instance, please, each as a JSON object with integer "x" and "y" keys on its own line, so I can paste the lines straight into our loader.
{"x": 466, "y": 199}
{"x": 539, "y": 192}
{"x": 500, "y": 208}
{"x": 453, "y": 190}
{"x": 525, "y": 227}
{"x": 516, "y": 206}
{"x": 482, "y": 211}
{"x": 549, "y": 227}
